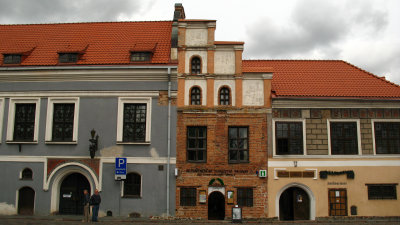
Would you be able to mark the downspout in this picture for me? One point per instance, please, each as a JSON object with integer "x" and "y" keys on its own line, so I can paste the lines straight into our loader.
{"x": 169, "y": 137}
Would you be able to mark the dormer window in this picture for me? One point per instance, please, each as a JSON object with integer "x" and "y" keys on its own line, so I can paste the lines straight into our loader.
{"x": 12, "y": 59}
{"x": 140, "y": 56}
{"x": 68, "y": 57}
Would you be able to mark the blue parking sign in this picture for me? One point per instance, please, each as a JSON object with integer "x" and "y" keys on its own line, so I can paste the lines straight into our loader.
{"x": 120, "y": 166}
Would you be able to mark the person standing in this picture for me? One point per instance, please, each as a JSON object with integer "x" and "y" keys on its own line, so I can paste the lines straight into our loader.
{"x": 95, "y": 201}
{"x": 86, "y": 208}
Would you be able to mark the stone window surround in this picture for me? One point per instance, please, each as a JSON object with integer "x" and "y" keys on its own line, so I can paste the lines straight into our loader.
{"x": 328, "y": 121}
{"x": 11, "y": 118}
{"x": 373, "y": 133}
{"x": 1, "y": 117}
{"x": 141, "y": 186}
{"x": 49, "y": 119}
{"x": 120, "y": 117}
{"x": 303, "y": 120}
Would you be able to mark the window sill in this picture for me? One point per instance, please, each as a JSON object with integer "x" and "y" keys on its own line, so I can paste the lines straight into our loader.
{"x": 61, "y": 142}
{"x": 133, "y": 143}
{"x": 132, "y": 196}
{"x": 22, "y": 142}
{"x": 26, "y": 179}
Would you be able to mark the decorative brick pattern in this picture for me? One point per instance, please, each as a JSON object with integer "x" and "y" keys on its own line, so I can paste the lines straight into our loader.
{"x": 91, "y": 163}
{"x": 217, "y": 166}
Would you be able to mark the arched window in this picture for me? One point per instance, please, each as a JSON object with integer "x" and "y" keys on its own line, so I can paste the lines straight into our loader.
{"x": 195, "y": 65}
{"x": 26, "y": 174}
{"x": 132, "y": 185}
{"x": 195, "y": 96}
{"x": 224, "y": 96}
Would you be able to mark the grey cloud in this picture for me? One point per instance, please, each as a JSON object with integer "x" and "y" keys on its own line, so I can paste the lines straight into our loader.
{"x": 314, "y": 26}
{"x": 50, "y": 11}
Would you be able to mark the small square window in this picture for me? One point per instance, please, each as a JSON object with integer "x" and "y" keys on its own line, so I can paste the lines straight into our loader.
{"x": 140, "y": 56}
{"x": 245, "y": 197}
{"x": 188, "y": 197}
{"x": 68, "y": 57}
{"x": 12, "y": 59}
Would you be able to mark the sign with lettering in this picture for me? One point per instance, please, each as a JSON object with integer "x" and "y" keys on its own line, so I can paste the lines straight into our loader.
{"x": 120, "y": 168}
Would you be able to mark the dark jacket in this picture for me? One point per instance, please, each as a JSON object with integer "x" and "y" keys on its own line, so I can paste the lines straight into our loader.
{"x": 86, "y": 199}
{"x": 95, "y": 200}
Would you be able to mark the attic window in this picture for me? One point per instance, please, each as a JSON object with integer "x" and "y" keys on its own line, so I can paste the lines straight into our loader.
{"x": 140, "y": 56}
{"x": 68, "y": 57}
{"x": 12, "y": 59}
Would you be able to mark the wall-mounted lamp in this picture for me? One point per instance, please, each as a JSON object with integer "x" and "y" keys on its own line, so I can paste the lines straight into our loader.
{"x": 93, "y": 143}
{"x": 295, "y": 163}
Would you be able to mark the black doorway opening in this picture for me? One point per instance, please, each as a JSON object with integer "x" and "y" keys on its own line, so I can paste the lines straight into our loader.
{"x": 71, "y": 194}
{"x": 26, "y": 201}
{"x": 216, "y": 206}
{"x": 294, "y": 204}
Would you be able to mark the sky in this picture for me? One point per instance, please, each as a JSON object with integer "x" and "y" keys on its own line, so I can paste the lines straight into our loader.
{"x": 365, "y": 33}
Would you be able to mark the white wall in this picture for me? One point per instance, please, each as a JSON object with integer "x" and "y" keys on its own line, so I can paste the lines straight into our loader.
{"x": 202, "y": 84}
{"x": 196, "y": 37}
{"x": 253, "y": 92}
{"x": 224, "y": 62}
{"x": 202, "y": 54}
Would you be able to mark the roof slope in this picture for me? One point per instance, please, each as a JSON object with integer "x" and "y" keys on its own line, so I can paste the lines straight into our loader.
{"x": 102, "y": 42}
{"x": 323, "y": 78}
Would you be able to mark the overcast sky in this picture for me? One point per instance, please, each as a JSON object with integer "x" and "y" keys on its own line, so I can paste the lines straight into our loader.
{"x": 365, "y": 33}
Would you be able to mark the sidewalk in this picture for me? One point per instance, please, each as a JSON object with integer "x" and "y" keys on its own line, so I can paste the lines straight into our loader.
{"x": 72, "y": 219}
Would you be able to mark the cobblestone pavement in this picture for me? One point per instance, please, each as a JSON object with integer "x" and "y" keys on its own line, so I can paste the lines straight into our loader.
{"x": 34, "y": 220}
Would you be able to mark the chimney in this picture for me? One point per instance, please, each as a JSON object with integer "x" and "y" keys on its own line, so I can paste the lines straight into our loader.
{"x": 179, "y": 12}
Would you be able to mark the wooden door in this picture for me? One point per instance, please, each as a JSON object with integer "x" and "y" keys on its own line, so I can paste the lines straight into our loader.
{"x": 26, "y": 201}
{"x": 337, "y": 202}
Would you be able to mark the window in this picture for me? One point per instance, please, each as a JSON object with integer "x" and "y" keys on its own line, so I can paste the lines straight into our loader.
{"x": 23, "y": 120}
{"x": 382, "y": 191}
{"x": 68, "y": 57}
{"x": 195, "y": 65}
{"x": 344, "y": 138}
{"x": 224, "y": 96}
{"x": 195, "y": 96}
{"x": 140, "y": 56}
{"x": 387, "y": 137}
{"x": 134, "y": 123}
{"x": 289, "y": 138}
{"x": 134, "y": 120}
{"x": 337, "y": 202}
{"x": 245, "y": 197}
{"x": 26, "y": 174}
{"x": 238, "y": 144}
{"x": 197, "y": 144}
{"x": 12, "y": 59}
{"x": 24, "y": 123}
{"x": 62, "y": 120}
{"x": 188, "y": 197}
{"x": 132, "y": 185}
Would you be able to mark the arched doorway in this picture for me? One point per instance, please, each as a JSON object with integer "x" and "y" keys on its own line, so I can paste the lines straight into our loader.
{"x": 216, "y": 206}
{"x": 294, "y": 204}
{"x": 26, "y": 201}
{"x": 71, "y": 194}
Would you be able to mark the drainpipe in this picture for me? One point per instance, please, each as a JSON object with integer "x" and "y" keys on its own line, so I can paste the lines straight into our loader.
{"x": 169, "y": 136}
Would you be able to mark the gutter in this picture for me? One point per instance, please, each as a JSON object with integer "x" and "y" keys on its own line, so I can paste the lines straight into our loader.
{"x": 169, "y": 139}
{"x": 86, "y": 67}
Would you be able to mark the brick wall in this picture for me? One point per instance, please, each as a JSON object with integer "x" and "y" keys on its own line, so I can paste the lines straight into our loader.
{"x": 233, "y": 175}
{"x": 317, "y": 130}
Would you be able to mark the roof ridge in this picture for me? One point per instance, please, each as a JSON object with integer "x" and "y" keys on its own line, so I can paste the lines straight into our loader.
{"x": 371, "y": 74}
{"x": 94, "y": 22}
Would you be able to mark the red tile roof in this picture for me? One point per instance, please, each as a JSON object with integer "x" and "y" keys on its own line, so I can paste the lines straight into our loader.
{"x": 102, "y": 43}
{"x": 323, "y": 78}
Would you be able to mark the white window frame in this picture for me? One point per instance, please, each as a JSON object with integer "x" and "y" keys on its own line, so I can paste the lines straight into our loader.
{"x": 49, "y": 119}
{"x": 11, "y": 118}
{"x": 1, "y": 117}
{"x": 357, "y": 121}
{"x": 141, "y": 186}
{"x": 373, "y": 134}
{"x": 120, "y": 117}
{"x": 303, "y": 120}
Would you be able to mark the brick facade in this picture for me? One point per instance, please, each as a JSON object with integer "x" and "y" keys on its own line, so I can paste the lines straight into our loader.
{"x": 199, "y": 175}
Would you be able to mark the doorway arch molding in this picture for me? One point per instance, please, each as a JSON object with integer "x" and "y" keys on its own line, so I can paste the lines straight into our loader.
{"x": 299, "y": 185}
{"x": 61, "y": 172}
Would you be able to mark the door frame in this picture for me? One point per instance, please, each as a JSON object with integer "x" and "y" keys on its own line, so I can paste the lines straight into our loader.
{"x": 17, "y": 199}
{"x": 208, "y": 202}
{"x": 299, "y": 185}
